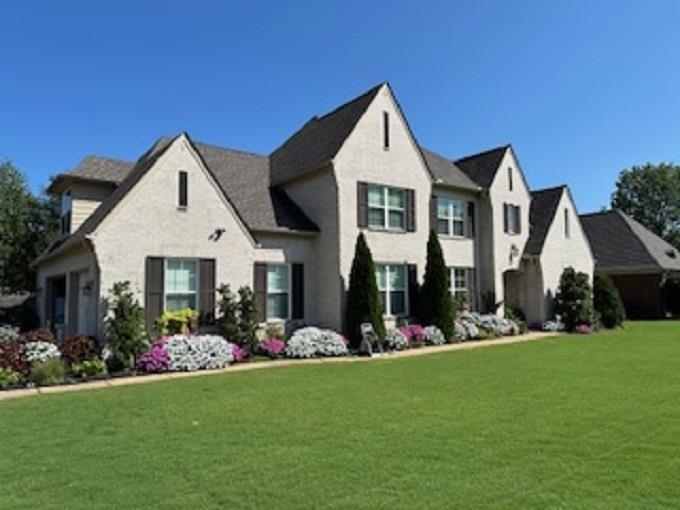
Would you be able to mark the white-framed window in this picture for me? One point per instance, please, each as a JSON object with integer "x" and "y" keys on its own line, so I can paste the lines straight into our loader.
{"x": 451, "y": 220}
{"x": 278, "y": 292}
{"x": 459, "y": 281}
{"x": 392, "y": 288}
{"x": 65, "y": 213}
{"x": 512, "y": 219}
{"x": 386, "y": 207}
{"x": 181, "y": 284}
{"x": 567, "y": 232}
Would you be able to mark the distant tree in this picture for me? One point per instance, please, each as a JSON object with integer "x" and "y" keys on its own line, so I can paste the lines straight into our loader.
{"x": 651, "y": 195}
{"x": 27, "y": 225}
{"x": 436, "y": 304}
{"x": 363, "y": 301}
{"x": 607, "y": 302}
{"x": 574, "y": 299}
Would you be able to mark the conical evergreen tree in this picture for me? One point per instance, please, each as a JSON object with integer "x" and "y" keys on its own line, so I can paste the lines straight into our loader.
{"x": 363, "y": 301}
{"x": 436, "y": 304}
{"x": 607, "y": 302}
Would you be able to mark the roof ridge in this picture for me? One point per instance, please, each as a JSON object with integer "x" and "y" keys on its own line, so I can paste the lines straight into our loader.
{"x": 117, "y": 160}
{"x": 598, "y": 213}
{"x": 372, "y": 90}
{"x": 485, "y": 152}
{"x": 228, "y": 149}
{"x": 551, "y": 188}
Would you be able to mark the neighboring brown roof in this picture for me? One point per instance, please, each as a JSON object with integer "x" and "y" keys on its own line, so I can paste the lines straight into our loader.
{"x": 94, "y": 168}
{"x": 620, "y": 243}
{"x": 541, "y": 215}
{"x": 317, "y": 142}
{"x": 446, "y": 172}
{"x": 482, "y": 167}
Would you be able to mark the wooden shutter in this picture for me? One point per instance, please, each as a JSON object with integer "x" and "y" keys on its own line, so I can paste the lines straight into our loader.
{"x": 154, "y": 283}
{"x": 410, "y": 210}
{"x": 362, "y": 204}
{"x": 472, "y": 288}
{"x": 433, "y": 213}
{"x": 260, "y": 288}
{"x": 471, "y": 220}
{"x": 298, "y": 291}
{"x": 183, "y": 189}
{"x": 206, "y": 303}
{"x": 413, "y": 290}
{"x": 505, "y": 218}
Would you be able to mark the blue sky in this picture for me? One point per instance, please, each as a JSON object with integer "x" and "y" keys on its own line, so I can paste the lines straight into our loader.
{"x": 581, "y": 89}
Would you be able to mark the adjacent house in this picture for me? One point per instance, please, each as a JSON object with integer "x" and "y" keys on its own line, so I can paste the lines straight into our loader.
{"x": 187, "y": 217}
{"x": 644, "y": 267}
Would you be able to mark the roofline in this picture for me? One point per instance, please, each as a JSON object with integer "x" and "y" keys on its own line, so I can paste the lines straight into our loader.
{"x": 59, "y": 179}
{"x": 441, "y": 184}
{"x": 552, "y": 188}
{"x": 286, "y": 231}
{"x": 485, "y": 152}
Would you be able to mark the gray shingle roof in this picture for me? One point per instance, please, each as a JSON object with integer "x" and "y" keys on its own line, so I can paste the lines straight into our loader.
{"x": 317, "y": 142}
{"x": 621, "y": 243}
{"x": 94, "y": 168}
{"x": 446, "y": 172}
{"x": 482, "y": 167}
{"x": 544, "y": 204}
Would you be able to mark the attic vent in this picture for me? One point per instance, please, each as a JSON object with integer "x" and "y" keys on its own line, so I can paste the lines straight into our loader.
{"x": 671, "y": 253}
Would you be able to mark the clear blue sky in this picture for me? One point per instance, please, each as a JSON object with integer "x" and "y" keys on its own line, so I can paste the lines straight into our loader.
{"x": 581, "y": 89}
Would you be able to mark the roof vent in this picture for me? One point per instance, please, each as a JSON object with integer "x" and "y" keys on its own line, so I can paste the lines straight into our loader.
{"x": 671, "y": 253}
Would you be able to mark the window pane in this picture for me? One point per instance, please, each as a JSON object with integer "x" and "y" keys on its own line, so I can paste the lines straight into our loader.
{"x": 180, "y": 276}
{"x": 396, "y": 198}
{"x": 458, "y": 209}
{"x": 277, "y": 278}
{"x": 380, "y": 277}
{"x": 396, "y": 219}
{"x": 443, "y": 227}
{"x": 458, "y": 228}
{"x": 277, "y": 306}
{"x": 376, "y": 196}
{"x": 180, "y": 301}
{"x": 443, "y": 207}
{"x": 397, "y": 278}
{"x": 398, "y": 302}
{"x": 376, "y": 217}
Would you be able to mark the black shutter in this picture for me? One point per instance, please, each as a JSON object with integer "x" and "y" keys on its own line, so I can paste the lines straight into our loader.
{"x": 207, "y": 291}
{"x": 505, "y": 218}
{"x": 362, "y": 204}
{"x": 518, "y": 213}
{"x": 154, "y": 283}
{"x": 410, "y": 210}
{"x": 433, "y": 213}
{"x": 260, "y": 288}
{"x": 298, "y": 291}
{"x": 413, "y": 291}
{"x": 183, "y": 189}
{"x": 471, "y": 220}
{"x": 472, "y": 288}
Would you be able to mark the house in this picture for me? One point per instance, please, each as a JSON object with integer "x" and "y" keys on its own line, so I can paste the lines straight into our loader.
{"x": 187, "y": 217}
{"x": 643, "y": 266}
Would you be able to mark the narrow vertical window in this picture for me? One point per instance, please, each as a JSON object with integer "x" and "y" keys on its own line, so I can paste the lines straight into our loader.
{"x": 65, "y": 216}
{"x": 510, "y": 184}
{"x": 183, "y": 191}
{"x": 566, "y": 222}
{"x": 386, "y": 130}
{"x": 278, "y": 292}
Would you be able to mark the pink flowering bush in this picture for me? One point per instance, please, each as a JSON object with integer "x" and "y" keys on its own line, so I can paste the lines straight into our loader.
{"x": 272, "y": 347}
{"x": 583, "y": 329}
{"x": 239, "y": 353}
{"x": 156, "y": 360}
{"x": 415, "y": 334}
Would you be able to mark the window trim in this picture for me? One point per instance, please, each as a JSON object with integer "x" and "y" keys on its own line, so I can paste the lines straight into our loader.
{"x": 289, "y": 293}
{"x": 197, "y": 292}
{"x": 509, "y": 208}
{"x": 387, "y": 313}
{"x": 452, "y": 276}
{"x": 386, "y": 208}
{"x": 450, "y": 220}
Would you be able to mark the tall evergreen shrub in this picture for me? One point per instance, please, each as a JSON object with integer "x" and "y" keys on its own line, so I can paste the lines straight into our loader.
{"x": 126, "y": 328}
{"x": 607, "y": 301}
{"x": 436, "y": 304}
{"x": 574, "y": 299}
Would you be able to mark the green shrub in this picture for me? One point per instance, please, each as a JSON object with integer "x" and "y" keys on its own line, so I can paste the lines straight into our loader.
{"x": 436, "y": 305}
{"x": 89, "y": 368}
{"x": 607, "y": 302}
{"x": 363, "y": 301}
{"x": 177, "y": 322}
{"x": 518, "y": 316}
{"x": 247, "y": 319}
{"x": 227, "y": 315}
{"x": 126, "y": 329}
{"x": 574, "y": 301}
{"x": 8, "y": 377}
{"x": 48, "y": 373}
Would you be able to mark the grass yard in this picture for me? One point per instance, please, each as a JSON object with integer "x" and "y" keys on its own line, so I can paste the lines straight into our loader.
{"x": 571, "y": 422}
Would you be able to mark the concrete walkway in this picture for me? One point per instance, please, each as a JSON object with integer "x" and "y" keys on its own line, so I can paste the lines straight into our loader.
{"x": 242, "y": 367}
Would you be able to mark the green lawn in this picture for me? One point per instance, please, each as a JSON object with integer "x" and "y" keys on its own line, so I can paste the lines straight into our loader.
{"x": 571, "y": 422}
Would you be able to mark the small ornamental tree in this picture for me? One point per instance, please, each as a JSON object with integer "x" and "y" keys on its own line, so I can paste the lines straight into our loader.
{"x": 247, "y": 319}
{"x": 126, "y": 329}
{"x": 227, "y": 316}
{"x": 574, "y": 301}
{"x": 363, "y": 301}
{"x": 607, "y": 301}
{"x": 436, "y": 304}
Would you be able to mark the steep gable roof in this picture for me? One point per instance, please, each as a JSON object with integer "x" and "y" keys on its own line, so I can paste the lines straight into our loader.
{"x": 446, "y": 172}
{"x": 621, "y": 243}
{"x": 544, "y": 205}
{"x": 319, "y": 140}
{"x": 482, "y": 167}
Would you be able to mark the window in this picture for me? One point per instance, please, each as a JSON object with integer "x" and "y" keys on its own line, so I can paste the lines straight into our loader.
{"x": 510, "y": 184}
{"x": 278, "y": 291}
{"x": 181, "y": 280}
{"x": 386, "y": 208}
{"x": 512, "y": 219}
{"x": 450, "y": 217}
{"x": 183, "y": 199}
{"x": 459, "y": 281}
{"x": 386, "y": 130}
{"x": 392, "y": 288}
{"x": 65, "y": 216}
{"x": 567, "y": 233}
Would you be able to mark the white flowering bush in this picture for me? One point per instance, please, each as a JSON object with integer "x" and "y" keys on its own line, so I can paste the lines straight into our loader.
{"x": 396, "y": 340}
{"x": 198, "y": 352}
{"x": 310, "y": 341}
{"x": 40, "y": 352}
{"x": 471, "y": 322}
{"x": 434, "y": 335}
{"x": 8, "y": 334}
{"x": 459, "y": 331}
{"x": 555, "y": 325}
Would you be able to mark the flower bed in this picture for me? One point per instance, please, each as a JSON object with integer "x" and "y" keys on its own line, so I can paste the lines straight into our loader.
{"x": 186, "y": 353}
